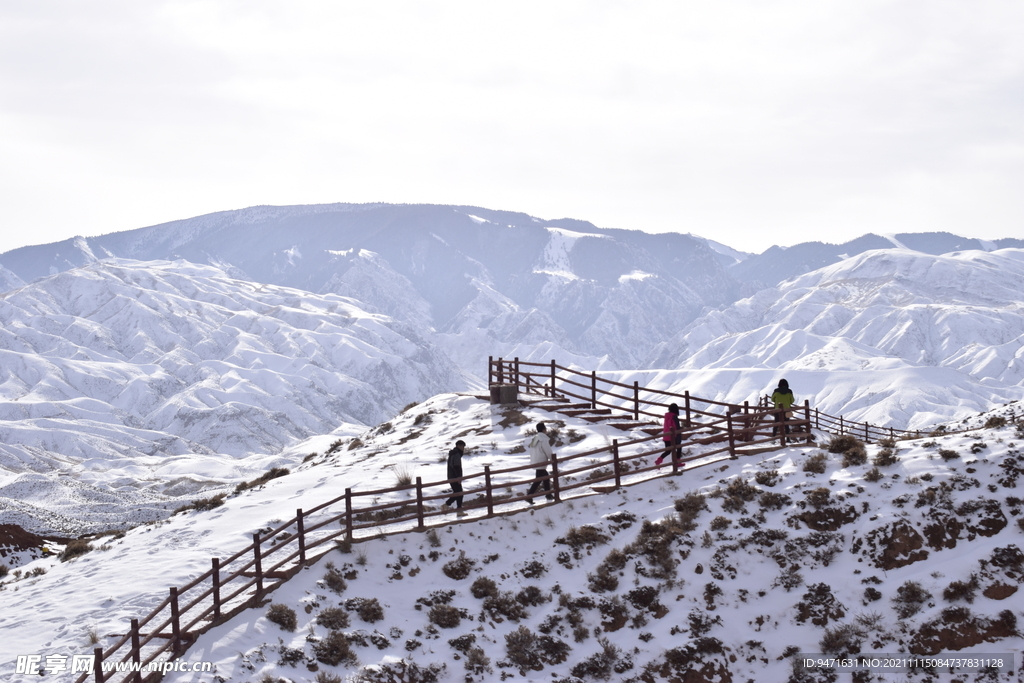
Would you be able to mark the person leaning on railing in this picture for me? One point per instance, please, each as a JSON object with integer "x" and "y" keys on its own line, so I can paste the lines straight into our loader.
{"x": 783, "y": 400}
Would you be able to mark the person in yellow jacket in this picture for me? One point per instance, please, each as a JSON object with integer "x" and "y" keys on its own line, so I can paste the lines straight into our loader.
{"x": 783, "y": 400}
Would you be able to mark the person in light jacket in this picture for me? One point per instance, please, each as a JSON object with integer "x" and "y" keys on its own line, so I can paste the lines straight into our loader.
{"x": 539, "y": 447}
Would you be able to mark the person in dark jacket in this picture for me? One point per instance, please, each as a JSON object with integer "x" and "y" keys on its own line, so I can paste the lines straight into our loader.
{"x": 455, "y": 475}
{"x": 783, "y": 400}
{"x": 671, "y": 436}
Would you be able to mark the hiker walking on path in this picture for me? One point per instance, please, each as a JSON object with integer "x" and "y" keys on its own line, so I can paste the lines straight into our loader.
{"x": 672, "y": 438}
{"x": 783, "y": 400}
{"x": 455, "y": 476}
{"x": 540, "y": 456}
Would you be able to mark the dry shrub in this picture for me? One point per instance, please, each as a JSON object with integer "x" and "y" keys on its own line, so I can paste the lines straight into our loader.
{"x": 283, "y": 616}
{"x": 654, "y": 542}
{"x": 819, "y": 497}
{"x": 445, "y": 616}
{"x": 334, "y": 650}
{"x": 961, "y": 590}
{"x": 816, "y": 464}
{"x": 334, "y": 580}
{"x": 504, "y": 606}
{"x": 844, "y": 639}
{"x": 483, "y": 587}
{"x": 995, "y": 422}
{"x": 583, "y": 537}
{"x": 737, "y": 493}
{"x": 333, "y": 618}
{"x": 720, "y": 522}
{"x": 532, "y": 596}
{"x": 460, "y": 568}
{"x": 772, "y": 500}
{"x": 873, "y": 475}
{"x": 885, "y": 457}
{"x": 909, "y": 599}
{"x": 767, "y": 477}
{"x": 947, "y": 454}
{"x": 691, "y": 505}
{"x": 528, "y": 652}
{"x": 368, "y": 609}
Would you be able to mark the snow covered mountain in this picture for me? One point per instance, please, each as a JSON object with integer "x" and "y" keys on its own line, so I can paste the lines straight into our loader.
{"x": 928, "y": 338}
{"x": 782, "y": 263}
{"x": 118, "y": 377}
{"x": 592, "y": 291}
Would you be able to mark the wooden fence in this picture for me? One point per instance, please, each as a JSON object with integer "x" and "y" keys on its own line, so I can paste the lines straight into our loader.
{"x": 244, "y": 579}
{"x": 550, "y": 380}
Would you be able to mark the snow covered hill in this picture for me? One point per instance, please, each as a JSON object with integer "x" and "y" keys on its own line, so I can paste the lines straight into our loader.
{"x": 593, "y": 291}
{"x": 728, "y": 570}
{"x": 894, "y": 337}
{"x": 125, "y": 383}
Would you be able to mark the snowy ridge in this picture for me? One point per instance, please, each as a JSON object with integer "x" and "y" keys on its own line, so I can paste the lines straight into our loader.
{"x": 147, "y": 376}
{"x": 942, "y": 333}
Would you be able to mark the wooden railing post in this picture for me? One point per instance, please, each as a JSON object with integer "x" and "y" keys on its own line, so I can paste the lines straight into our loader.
{"x": 807, "y": 416}
{"x": 490, "y": 369}
{"x": 593, "y": 389}
{"x": 215, "y": 579}
{"x": 516, "y": 370}
{"x": 555, "y": 487}
{"x": 553, "y": 394}
{"x": 841, "y": 432}
{"x": 867, "y": 435}
{"x": 501, "y": 371}
{"x": 488, "y": 491}
{"x": 615, "y": 463}
{"x": 419, "y": 502}
{"x": 175, "y": 623}
{"x": 300, "y": 530}
{"x": 348, "y": 510}
{"x": 732, "y": 436}
{"x": 97, "y": 663}
{"x": 636, "y": 400}
{"x": 686, "y": 395}
{"x": 258, "y": 556}
{"x": 136, "y": 650}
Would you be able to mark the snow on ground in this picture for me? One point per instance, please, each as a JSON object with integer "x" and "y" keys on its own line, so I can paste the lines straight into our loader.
{"x": 737, "y": 588}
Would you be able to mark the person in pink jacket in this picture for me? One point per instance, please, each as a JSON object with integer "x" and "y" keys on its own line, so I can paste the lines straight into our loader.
{"x": 671, "y": 436}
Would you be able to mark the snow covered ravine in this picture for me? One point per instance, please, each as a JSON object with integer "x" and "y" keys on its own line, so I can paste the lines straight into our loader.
{"x": 724, "y": 571}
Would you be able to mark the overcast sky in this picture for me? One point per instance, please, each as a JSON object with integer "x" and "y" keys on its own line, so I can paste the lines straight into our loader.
{"x": 752, "y": 123}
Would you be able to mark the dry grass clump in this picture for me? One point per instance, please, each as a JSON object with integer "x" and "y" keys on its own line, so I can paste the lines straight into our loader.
{"x": 815, "y": 464}
{"x": 819, "y": 497}
{"x": 529, "y": 652}
{"x": 334, "y": 650}
{"x": 583, "y": 538}
{"x": 947, "y": 454}
{"x": 844, "y": 639}
{"x": 272, "y": 473}
{"x": 851, "y": 448}
{"x": 873, "y": 475}
{"x": 767, "y": 477}
{"x": 75, "y": 548}
{"x": 995, "y": 422}
{"x": 886, "y": 455}
{"x": 283, "y": 616}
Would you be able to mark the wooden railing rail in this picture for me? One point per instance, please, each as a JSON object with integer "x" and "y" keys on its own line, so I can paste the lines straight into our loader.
{"x": 514, "y": 371}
